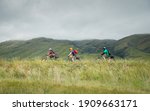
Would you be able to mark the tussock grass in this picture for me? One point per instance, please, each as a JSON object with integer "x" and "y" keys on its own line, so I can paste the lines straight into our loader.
{"x": 87, "y": 76}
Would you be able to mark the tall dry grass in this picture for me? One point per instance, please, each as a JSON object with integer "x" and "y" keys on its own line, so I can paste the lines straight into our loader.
{"x": 87, "y": 76}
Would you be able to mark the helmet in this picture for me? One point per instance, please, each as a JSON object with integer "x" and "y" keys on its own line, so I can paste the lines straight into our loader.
{"x": 70, "y": 49}
{"x": 50, "y": 49}
{"x": 104, "y": 48}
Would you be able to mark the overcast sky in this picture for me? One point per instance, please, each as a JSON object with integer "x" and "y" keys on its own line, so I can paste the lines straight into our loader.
{"x": 73, "y": 19}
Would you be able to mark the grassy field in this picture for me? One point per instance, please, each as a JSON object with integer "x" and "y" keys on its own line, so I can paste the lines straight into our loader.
{"x": 87, "y": 76}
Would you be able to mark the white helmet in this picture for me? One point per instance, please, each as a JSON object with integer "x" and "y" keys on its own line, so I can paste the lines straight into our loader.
{"x": 50, "y": 49}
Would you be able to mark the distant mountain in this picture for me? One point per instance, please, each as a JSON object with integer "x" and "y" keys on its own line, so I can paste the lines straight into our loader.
{"x": 39, "y": 47}
{"x": 91, "y": 46}
{"x": 137, "y": 45}
{"x": 131, "y": 46}
{"x": 33, "y": 47}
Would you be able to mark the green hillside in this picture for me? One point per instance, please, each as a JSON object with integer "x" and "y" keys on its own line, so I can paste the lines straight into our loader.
{"x": 38, "y": 47}
{"x": 134, "y": 46}
{"x": 33, "y": 48}
{"x": 137, "y": 45}
{"x": 91, "y": 46}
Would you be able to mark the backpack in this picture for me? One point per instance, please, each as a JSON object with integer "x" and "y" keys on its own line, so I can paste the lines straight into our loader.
{"x": 75, "y": 51}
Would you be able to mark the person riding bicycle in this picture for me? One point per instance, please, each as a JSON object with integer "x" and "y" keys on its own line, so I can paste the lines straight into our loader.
{"x": 51, "y": 53}
{"x": 72, "y": 54}
{"x": 105, "y": 54}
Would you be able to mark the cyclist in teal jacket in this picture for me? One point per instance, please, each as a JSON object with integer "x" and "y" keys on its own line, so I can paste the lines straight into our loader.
{"x": 105, "y": 53}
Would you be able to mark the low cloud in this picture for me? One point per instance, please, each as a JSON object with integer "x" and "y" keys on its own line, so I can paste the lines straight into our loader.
{"x": 73, "y": 19}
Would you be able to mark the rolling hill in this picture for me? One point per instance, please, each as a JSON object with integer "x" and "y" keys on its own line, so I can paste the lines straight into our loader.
{"x": 91, "y": 46}
{"x": 39, "y": 47}
{"x": 32, "y": 48}
{"x": 137, "y": 45}
{"x": 132, "y": 46}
